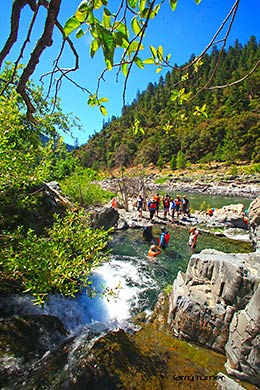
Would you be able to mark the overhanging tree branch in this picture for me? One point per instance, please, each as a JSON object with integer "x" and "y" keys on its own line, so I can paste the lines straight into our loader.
{"x": 17, "y": 7}
{"x": 44, "y": 41}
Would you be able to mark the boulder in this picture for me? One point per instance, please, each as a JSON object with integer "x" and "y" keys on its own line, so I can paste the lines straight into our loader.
{"x": 216, "y": 291}
{"x": 243, "y": 346}
{"x": 254, "y": 222}
{"x": 105, "y": 217}
{"x": 226, "y": 383}
{"x": 112, "y": 361}
{"x": 24, "y": 340}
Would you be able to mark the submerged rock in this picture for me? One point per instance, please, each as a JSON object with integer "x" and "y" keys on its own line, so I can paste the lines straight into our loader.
{"x": 111, "y": 362}
{"x": 23, "y": 340}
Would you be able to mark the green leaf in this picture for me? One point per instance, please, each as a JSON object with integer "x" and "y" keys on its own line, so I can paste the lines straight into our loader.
{"x": 106, "y": 18}
{"x": 135, "y": 26}
{"x": 152, "y": 14}
{"x": 134, "y": 47}
{"x": 94, "y": 47}
{"x": 103, "y": 110}
{"x": 160, "y": 52}
{"x": 106, "y": 38}
{"x": 103, "y": 100}
{"x": 125, "y": 69}
{"x": 153, "y": 51}
{"x": 158, "y": 70}
{"x": 197, "y": 1}
{"x": 149, "y": 61}
{"x": 185, "y": 77}
{"x": 167, "y": 59}
{"x": 173, "y": 4}
{"x": 83, "y": 7}
{"x": 119, "y": 39}
{"x": 97, "y": 4}
{"x": 132, "y": 3}
{"x": 92, "y": 100}
{"x": 139, "y": 62}
{"x": 142, "y": 4}
{"x": 174, "y": 95}
{"x": 109, "y": 58}
{"x": 122, "y": 28}
{"x": 82, "y": 11}
{"x": 80, "y": 33}
{"x": 71, "y": 25}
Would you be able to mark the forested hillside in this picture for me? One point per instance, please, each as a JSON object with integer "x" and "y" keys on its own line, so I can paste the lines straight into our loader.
{"x": 221, "y": 124}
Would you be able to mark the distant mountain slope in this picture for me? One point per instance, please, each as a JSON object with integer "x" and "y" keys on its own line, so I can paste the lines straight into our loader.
{"x": 222, "y": 124}
{"x": 45, "y": 139}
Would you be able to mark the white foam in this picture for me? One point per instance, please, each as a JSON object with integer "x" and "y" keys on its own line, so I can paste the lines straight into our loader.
{"x": 126, "y": 279}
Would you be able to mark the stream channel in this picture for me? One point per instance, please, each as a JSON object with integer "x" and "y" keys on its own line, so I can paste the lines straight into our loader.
{"x": 135, "y": 280}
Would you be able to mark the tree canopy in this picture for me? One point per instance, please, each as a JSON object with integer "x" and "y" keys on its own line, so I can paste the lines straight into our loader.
{"x": 116, "y": 28}
{"x": 157, "y": 127}
{"x": 43, "y": 248}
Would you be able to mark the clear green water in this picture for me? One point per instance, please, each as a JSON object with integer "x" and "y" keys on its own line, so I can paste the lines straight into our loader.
{"x": 203, "y": 202}
{"x": 154, "y": 275}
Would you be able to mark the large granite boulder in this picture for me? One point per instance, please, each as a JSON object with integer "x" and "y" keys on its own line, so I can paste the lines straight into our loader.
{"x": 105, "y": 217}
{"x": 212, "y": 302}
{"x": 254, "y": 222}
{"x": 243, "y": 346}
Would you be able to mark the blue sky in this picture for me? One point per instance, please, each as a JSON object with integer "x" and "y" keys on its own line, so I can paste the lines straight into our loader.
{"x": 183, "y": 32}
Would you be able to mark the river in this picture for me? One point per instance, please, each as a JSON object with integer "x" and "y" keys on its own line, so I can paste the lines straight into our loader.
{"x": 132, "y": 281}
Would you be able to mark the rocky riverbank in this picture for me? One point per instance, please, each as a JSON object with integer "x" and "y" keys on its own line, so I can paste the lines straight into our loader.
{"x": 215, "y": 303}
{"x": 247, "y": 186}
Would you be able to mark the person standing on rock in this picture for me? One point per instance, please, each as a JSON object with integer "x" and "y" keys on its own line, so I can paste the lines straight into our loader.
{"x": 157, "y": 200}
{"x": 152, "y": 208}
{"x": 113, "y": 203}
{"x": 177, "y": 201}
{"x": 193, "y": 237}
{"x": 185, "y": 206}
{"x": 166, "y": 205}
{"x": 139, "y": 205}
{"x": 172, "y": 208}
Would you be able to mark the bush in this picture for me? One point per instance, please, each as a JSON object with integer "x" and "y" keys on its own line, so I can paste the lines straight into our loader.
{"x": 79, "y": 187}
{"x": 59, "y": 262}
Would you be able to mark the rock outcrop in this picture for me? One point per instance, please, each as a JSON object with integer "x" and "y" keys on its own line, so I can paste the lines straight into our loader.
{"x": 254, "y": 222}
{"x": 25, "y": 339}
{"x": 105, "y": 217}
{"x": 215, "y": 304}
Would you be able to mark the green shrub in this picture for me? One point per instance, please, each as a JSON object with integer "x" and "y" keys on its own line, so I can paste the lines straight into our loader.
{"x": 59, "y": 262}
{"x": 161, "y": 180}
{"x": 79, "y": 187}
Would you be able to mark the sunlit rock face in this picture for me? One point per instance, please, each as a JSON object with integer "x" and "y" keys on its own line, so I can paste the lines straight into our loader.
{"x": 254, "y": 222}
{"x": 213, "y": 302}
{"x": 217, "y": 303}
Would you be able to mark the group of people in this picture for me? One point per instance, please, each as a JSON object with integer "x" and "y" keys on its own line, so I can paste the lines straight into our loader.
{"x": 171, "y": 206}
{"x": 163, "y": 241}
{"x": 156, "y": 245}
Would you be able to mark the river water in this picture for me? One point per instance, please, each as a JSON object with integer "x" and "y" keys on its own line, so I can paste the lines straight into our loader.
{"x": 134, "y": 279}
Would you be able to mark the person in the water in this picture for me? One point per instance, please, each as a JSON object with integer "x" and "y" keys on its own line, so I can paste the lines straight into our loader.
{"x": 154, "y": 251}
{"x": 148, "y": 233}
